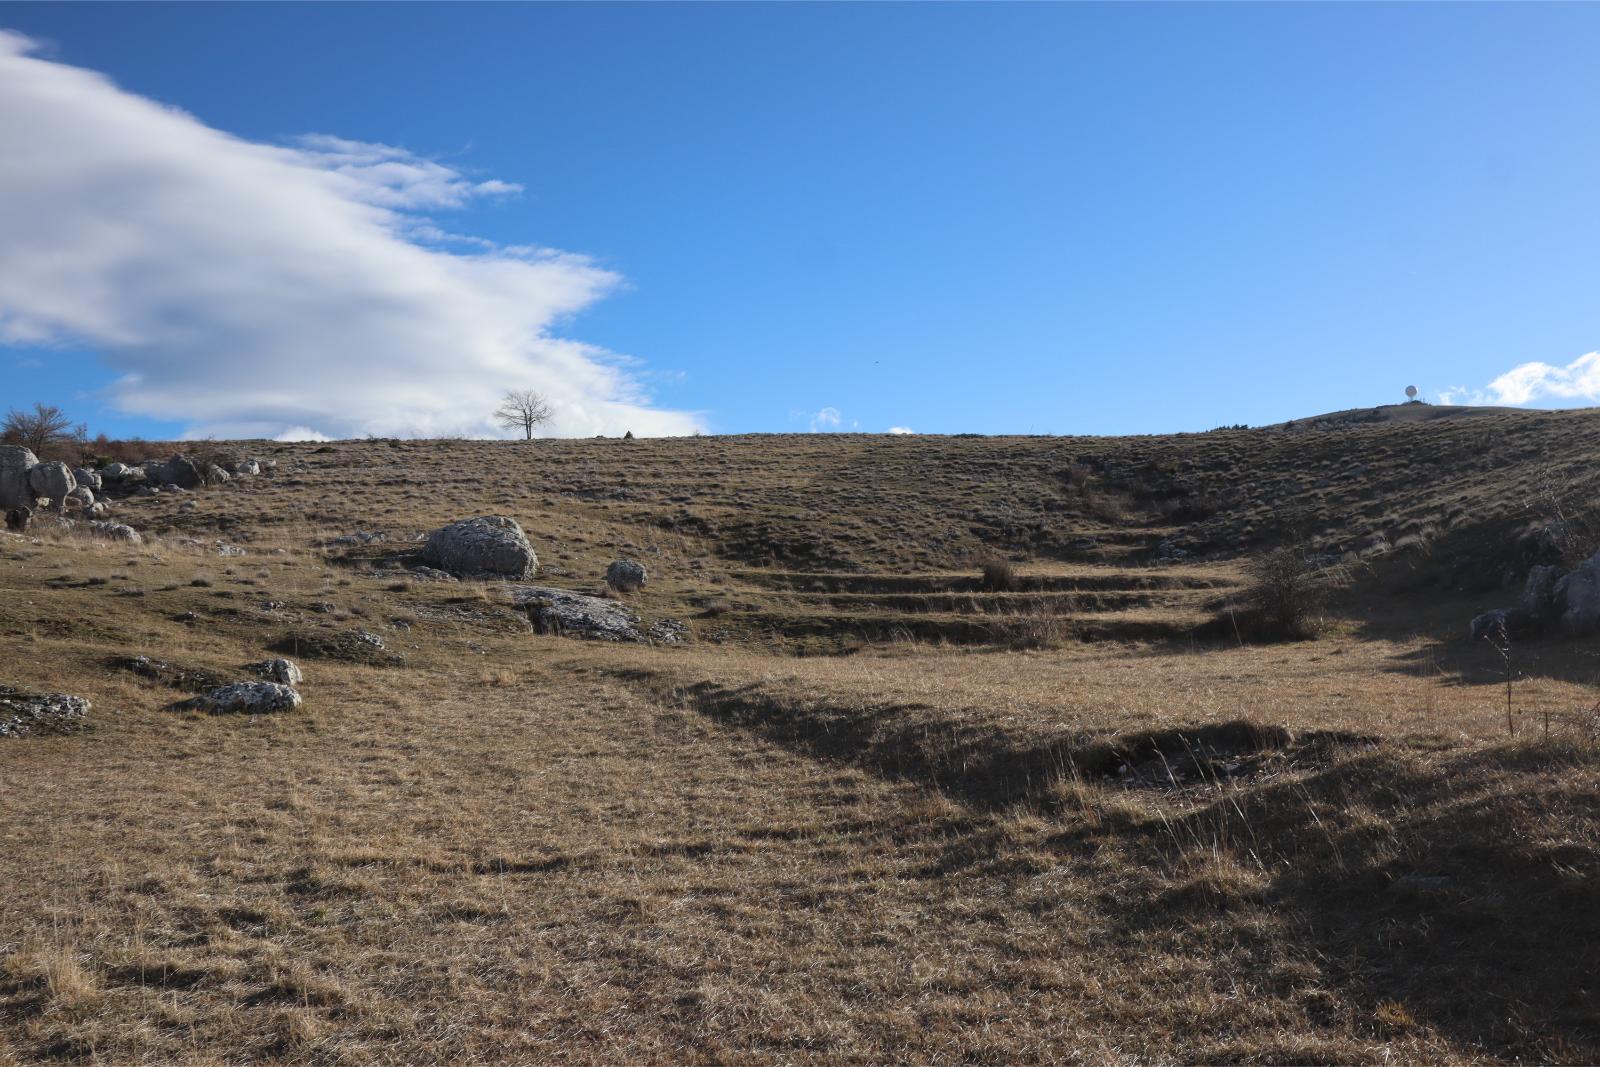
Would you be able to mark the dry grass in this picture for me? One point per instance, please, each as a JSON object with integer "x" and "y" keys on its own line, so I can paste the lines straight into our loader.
{"x": 510, "y": 848}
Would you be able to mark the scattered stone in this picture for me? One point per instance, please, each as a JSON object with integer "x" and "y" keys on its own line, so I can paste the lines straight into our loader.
{"x": 1570, "y": 602}
{"x": 180, "y": 471}
{"x": 116, "y": 531}
{"x": 247, "y": 467}
{"x": 225, "y": 549}
{"x": 15, "y": 463}
{"x": 625, "y": 575}
{"x": 282, "y": 671}
{"x": 52, "y": 479}
{"x": 215, "y": 475}
{"x": 88, "y": 478}
{"x": 22, "y": 713}
{"x": 668, "y": 631}
{"x": 1497, "y": 625}
{"x": 249, "y": 698}
{"x": 81, "y": 498}
{"x": 490, "y": 546}
{"x": 558, "y": 611}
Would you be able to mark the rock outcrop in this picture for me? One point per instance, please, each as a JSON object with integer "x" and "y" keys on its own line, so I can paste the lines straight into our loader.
{"x": 558, "y": 611}
{"x": 116, "y": 531}
{"x": 1569, "y": 602}
{"x": 51, "y": 479}
{"x": 15, "y": 463}
{"x": 249, "y": 698}
{"x": 491, "y": 546}
{"x": 22, "y": 713}
{"x": 282, "y": 671}
{"x": 180, "y": 471}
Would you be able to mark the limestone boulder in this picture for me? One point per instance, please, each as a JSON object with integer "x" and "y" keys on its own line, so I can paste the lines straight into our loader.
{"x": 625, "y": 575}
{"x": 281, "y": 671}
{"x": 249, "y": 698}
{"x": 15, "y": 463}
{"x": 52, "y": 479}
{"x": 490, "y": 546}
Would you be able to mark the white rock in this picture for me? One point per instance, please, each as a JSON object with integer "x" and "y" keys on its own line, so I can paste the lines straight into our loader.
{"x": 249, "y": 698}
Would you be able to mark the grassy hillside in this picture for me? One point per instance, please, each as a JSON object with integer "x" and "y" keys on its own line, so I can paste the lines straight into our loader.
{"x": 873, "y": 808}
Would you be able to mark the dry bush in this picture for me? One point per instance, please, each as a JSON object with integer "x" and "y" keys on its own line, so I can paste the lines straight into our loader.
{"x": 1288, "y": 590}
{"x": 1569, "y": 516}
{"x": 999, "y": 576}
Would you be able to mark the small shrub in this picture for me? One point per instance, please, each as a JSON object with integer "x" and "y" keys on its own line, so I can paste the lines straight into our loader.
{"x": 999, "y": 576}
{"x": 1284, "y": 601}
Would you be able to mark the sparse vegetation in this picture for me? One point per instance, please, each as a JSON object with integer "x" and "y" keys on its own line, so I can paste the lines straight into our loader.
{"x": 47, "y": 431}
{"x": 1288, "y": 590}
{"x": 878, "y": 806}
{"x": 999, "y": 576}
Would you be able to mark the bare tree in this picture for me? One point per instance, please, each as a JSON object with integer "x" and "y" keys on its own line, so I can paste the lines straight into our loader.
{"x": 522, "y": 409}
{"x": 39, "y": 430}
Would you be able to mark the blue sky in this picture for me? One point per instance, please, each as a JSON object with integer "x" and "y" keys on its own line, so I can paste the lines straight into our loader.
{"x": 986, "y": 218}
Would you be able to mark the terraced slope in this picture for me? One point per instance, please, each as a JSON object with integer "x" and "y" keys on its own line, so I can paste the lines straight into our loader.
{"x": 975, "y": 839}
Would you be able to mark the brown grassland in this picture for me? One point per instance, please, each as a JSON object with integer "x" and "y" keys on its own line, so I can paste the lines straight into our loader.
{"x": 873, "y": 809}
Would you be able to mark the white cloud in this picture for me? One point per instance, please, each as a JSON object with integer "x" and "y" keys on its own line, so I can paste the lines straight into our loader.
{"x": 901, "y": 430}
{"x": 254, "y": 289}
{"x": 1528, "y": 383}
{"x": 301, "y": 433}
{"x": 826, "y": 419}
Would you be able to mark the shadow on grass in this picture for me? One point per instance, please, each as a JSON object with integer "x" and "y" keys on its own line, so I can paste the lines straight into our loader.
{"x": 1463, "y": 889}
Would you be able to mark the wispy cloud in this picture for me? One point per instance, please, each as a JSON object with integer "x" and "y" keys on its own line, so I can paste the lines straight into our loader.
{"x": 1528, "y": 383}
{"x": 825, "y": 420}
{"x": 254, "y": 289}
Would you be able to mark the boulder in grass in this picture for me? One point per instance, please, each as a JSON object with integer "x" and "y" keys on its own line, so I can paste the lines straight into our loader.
{"x": 180, "y": 471}
{"x": 569, "y": 614}
{"x": 249, "y": 698}
{"x": 116, "y": 531}
{"x": 86, "y": 477}
{"x": 282, "y": 671}
{"x": 625, "y": 575}
{"x": 490, "y": 546}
